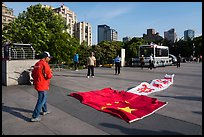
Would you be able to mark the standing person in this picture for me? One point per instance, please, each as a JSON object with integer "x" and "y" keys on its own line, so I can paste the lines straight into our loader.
{"x": 41, "y": 79}
{"x": 117, "y": 61}
{"x": 191, "y": 58}
{"x": 178, "y": 60}
{"x": 151, "y": 62}
{"x": 91, "y": 63}
{"x": 142, "y": 61}
{"x": 76, "y": 61}
{"x": 200, "y": 58}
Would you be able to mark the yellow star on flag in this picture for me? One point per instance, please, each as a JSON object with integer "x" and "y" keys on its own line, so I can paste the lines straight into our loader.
{"x": 127, "y": 109}
{"x": 126, "y": 101}
{"x": 103, "y": 108}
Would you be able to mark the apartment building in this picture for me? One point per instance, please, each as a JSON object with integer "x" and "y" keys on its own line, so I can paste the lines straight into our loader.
{"x": 7, "y": 15}
{"x": 69, "y": 16}
{"x": 47, "y": 6}
{"x": 80, "y": 30}
{"x": 84, "y": 32}
{"x": 113, "y": 35}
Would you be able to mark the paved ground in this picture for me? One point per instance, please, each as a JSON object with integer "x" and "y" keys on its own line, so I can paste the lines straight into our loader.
{"x": 181, "y": 116}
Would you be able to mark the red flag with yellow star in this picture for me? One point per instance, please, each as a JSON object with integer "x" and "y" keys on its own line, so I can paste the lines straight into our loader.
{"x": 126, "y": 105}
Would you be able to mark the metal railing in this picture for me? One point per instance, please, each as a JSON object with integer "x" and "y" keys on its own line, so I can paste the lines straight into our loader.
{"x": 59, "y": 67}
{"x": 18, "y": 52}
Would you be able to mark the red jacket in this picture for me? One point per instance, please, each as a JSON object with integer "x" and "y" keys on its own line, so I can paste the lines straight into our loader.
{"x": 41, "y": 75}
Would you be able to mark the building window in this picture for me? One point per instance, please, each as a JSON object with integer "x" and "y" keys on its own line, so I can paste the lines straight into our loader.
{"x": 4, "y": 18}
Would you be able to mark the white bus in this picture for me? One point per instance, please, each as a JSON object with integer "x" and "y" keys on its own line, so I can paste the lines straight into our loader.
{"x": 160, "y": 54}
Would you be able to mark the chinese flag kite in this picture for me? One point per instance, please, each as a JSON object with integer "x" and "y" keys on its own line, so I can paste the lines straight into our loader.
{"x": 126, "y": 105}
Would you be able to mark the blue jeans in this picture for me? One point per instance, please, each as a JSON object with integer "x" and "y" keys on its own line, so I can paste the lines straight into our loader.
{"x": 41, "y": 104}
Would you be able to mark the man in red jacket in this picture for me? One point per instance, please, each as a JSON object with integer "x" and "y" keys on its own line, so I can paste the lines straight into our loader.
{"x": 41, "y": 79}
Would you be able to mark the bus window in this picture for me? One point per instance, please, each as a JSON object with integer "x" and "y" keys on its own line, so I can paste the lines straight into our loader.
{"x": 146, "y": 51}
{"x": 161, "y": 52}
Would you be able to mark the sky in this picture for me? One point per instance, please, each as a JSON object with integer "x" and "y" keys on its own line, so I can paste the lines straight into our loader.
{"x": 131, "y": 19}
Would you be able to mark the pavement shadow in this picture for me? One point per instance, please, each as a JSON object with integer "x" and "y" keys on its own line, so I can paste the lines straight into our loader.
{"x": 134, "y": 131}
{"x": 197, "y": 112}
{"x": 183, "y": 97}
{"x": 71, "y": 75}
{"x": 108, "y": 74}
{"x": 17, "y": 112}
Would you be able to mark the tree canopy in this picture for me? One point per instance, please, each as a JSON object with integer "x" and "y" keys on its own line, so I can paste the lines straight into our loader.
{"x": 45, "y": 30}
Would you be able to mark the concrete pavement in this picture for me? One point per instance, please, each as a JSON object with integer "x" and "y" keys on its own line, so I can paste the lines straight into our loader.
{"x": 17, "y": 107}
{"x": 182, "y": 114}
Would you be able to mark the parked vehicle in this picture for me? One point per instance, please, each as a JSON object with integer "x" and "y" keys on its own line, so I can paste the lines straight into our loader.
{"x": 173, "y": 59}
{"x": 160, "y": 54}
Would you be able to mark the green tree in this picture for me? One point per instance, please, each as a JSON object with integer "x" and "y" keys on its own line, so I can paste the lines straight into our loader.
{"x": 108, "y": 51}
{"x": 45, "y": 30}
{"x": 198, "y": 45}
{"x": 83, "y": 51}
{"x": 132, "y": 48}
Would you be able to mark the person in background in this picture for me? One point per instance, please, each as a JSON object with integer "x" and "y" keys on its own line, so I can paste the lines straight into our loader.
{"x": 151, "y": 62}
{"x": 142, "y": 61}
{"x": 117, "y": 62}
{"x": 91, "y": 63}
{"x": 200, "y": 58}
{"x": 191, "y": 58}
{"x": 178, "y": 60}
{"x": 76, "y": 61}
{"x": 41, "y": 74}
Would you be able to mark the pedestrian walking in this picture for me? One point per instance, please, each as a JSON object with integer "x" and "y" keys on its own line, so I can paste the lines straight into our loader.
{"x": 178, "y": 60}
{"x": 76, "y": 61}
{"x": 142, "y": 63}
{"x": 91, "y": 63}
{"x": 117, "y": 62}
{"x": 41, "y": 79}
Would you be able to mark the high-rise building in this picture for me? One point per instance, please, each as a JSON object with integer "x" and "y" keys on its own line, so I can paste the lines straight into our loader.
{"x": 150, "y": 32}
{"x": 84, "y": 32}
{"x": 69, "y": 16}
{"x": 7, "y": 15}
{"x": 105, "y": 33}
{"x": 126, "y": 39}
{"x": 189, "y": 34}
{"x": 102, "y": 32}
{"x": 151, "y": 36}
{"x": 170, "y": 35}
{"x": 113, "y": 35}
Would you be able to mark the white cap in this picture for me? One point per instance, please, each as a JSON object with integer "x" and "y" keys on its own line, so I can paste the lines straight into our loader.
{"x": 47, "y": 54}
